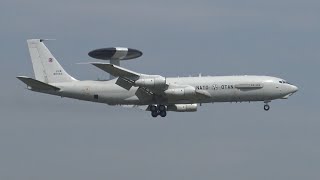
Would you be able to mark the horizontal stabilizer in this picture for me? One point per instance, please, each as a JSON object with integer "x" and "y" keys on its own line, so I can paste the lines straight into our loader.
{"x": 37, "y": 85}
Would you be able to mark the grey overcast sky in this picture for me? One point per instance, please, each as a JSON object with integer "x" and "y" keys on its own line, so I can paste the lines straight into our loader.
{"x": 47, "y": 137}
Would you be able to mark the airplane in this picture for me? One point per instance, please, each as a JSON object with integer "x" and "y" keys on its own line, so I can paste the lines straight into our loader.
{"x": 158, "y": 94}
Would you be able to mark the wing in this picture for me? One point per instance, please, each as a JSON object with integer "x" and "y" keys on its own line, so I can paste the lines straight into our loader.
{"x": 151, "y": 84}
{"x": 116, "y": 70}
{"x": 128, "y": 78}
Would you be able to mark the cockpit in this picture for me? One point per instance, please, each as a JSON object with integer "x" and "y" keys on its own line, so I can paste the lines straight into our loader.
{"x": 283, "y": 82}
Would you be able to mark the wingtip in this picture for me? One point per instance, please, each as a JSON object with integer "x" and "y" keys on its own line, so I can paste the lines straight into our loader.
{"x": 22, "y": 77}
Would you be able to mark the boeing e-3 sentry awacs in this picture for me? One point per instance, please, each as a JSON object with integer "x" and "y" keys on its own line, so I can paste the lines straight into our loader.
{"x": 156, "y": 93}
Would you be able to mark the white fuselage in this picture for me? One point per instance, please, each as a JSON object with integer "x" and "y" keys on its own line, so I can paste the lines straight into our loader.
{"x": 220, "y": 88}
{"x": 160, "y": 94}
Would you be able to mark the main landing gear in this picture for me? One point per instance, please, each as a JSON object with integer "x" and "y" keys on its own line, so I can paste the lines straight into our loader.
{"x": 158, "y": 110}
{"x": 266, "y": 107}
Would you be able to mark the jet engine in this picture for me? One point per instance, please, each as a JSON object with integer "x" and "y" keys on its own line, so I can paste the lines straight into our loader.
{"x": 181, "y": 92}
{"x": 157, "y": 82}
{"x": 182, "y": 107}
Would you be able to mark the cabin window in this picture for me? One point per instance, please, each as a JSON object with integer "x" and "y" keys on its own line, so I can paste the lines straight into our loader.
{"x": 96, "y": 96}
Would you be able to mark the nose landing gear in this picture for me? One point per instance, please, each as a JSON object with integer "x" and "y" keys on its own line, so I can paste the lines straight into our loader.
{"x": 158, "y": 110}
{"x": 266, "y": 107}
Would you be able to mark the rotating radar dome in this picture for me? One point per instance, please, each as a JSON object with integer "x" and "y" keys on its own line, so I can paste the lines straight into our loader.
{"x": 115, "y": 53}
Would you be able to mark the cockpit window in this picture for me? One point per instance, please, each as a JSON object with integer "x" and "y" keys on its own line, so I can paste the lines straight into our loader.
{"x": 283, "y": 82}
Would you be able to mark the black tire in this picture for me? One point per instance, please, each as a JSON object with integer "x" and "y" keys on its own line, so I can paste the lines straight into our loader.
{"x": 163, "y": 113}
{"x": 153, "y": 108}
{"x": 154, "y": 113}
{"x": 266, "y": 107}
{"x": 161, "y": 108}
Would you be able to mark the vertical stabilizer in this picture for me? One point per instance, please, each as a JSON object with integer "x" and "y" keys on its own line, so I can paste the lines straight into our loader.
{"x": 45, "y": 66}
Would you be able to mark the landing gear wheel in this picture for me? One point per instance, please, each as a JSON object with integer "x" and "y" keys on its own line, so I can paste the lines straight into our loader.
{"x": 163, "y": 113}
{"x": 154, "y": 113}
{"x": 161, "y": 107}
{"x": 266, "y": 107}
{"x": 153, "y": 108}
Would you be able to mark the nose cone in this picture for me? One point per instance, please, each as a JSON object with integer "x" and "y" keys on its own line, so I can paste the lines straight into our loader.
{"x": 293, "y": 89}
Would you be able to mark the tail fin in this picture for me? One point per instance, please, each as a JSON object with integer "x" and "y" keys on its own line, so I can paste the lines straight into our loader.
{"x": 46, "y": 68}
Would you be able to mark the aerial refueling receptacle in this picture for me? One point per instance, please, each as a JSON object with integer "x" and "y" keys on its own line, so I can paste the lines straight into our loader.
{"x": 115, "y": 54}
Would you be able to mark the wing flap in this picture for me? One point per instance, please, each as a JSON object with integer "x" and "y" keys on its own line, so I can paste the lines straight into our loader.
{"x": 203, "y": 94}
{"x": 124, "y": 83}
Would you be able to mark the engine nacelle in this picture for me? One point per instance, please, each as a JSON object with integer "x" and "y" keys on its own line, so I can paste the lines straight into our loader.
{"x": 182, "y": 107}
{"x": 157, "y": 82}
{"x": 181, "y": 92}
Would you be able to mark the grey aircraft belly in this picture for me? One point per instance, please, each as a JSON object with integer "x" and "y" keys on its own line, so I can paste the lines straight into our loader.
{"x": 157, "y": 93}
